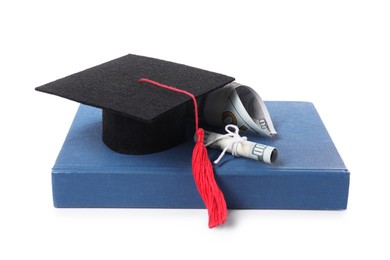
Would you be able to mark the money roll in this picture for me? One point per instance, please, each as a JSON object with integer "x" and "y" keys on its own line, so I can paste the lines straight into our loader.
{"x": 238, "y": 105}
{"x": 247, "y": 149}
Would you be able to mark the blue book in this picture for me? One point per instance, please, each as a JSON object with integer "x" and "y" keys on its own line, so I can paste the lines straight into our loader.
{"x": 308, "y": 174}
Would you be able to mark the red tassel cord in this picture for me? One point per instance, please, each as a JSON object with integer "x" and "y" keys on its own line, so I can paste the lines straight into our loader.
{"x": 202, "y": 168}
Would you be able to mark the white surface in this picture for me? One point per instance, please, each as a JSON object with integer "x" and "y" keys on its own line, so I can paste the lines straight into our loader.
{"x": 335, "y": 54}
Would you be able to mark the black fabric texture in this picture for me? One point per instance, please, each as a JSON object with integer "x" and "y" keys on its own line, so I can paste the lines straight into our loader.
{"x": 130, "y": 136}
{"x": 114, "y": 86}
{"x": 138, "y": 118}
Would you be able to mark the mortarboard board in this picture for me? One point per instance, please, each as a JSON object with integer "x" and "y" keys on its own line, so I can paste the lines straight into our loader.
{"x": 138, "y": 118}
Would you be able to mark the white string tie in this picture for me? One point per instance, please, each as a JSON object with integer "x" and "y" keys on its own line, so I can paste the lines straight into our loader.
{"x": 236, "y": 140}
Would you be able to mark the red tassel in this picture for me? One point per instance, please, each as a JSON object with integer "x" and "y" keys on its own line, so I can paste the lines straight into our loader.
{"x": 205, "y": 182}
{"x": 202, "y": 169}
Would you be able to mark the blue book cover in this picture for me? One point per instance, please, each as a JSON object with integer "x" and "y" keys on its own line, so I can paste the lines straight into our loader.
{"x": 308, "y": 174}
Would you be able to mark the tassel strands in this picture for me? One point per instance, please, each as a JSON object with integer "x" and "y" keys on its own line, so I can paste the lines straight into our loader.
{"x": 206, "y": 184}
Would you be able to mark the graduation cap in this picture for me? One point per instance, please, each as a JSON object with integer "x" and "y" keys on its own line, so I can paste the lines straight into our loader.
{"x": 140, "y": 118}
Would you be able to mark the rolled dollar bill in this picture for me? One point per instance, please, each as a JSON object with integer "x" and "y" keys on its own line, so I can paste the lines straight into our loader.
{"x": 239, "y": 105}
{"x": 251, "y": 150}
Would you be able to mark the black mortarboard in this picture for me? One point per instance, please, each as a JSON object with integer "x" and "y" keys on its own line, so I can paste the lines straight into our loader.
{"x": 138, "y": 118}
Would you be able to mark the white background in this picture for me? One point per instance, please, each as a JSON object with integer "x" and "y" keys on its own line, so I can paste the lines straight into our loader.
{"x": 335, "y": 54}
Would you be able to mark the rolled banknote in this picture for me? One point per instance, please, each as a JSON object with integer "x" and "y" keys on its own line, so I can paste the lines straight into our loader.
{"x": 244, "y": 148}
{"x": 239, "y": 105}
